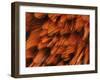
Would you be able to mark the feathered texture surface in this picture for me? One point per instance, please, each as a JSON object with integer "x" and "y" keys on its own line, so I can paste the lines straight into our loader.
{"x": 57, "y": 39}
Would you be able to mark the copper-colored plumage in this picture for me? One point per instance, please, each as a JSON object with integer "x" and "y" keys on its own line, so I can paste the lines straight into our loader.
{"x": 33, "y": 39}
{"x": 57, "y": 39}
{"x": 86, "y": 55}
{"x": 39, "y": 15}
